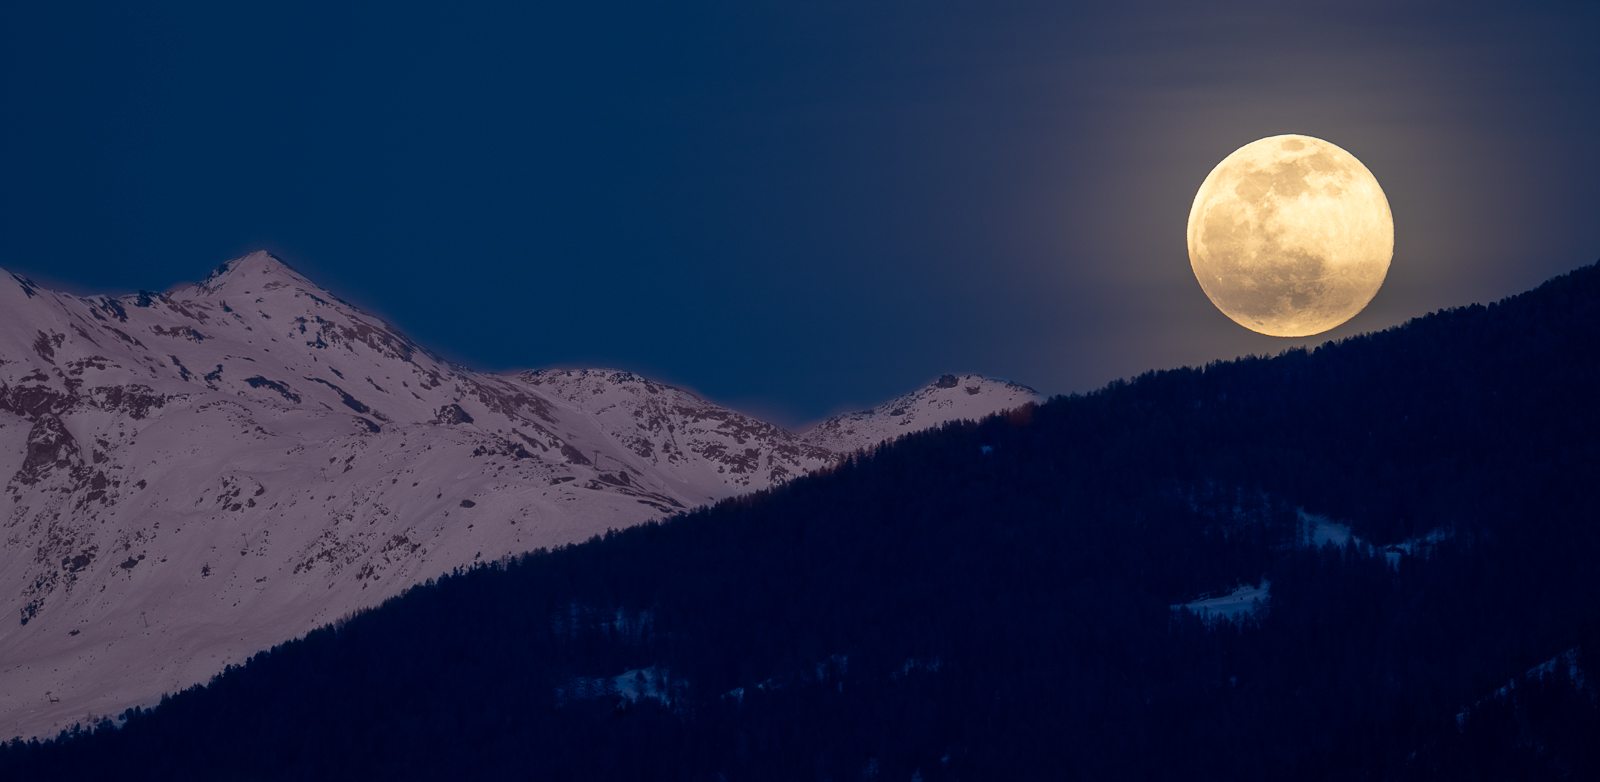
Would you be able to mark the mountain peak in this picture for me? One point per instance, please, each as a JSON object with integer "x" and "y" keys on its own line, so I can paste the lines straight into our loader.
{"x": 260, "y": 268}
{"x": 951, "y": 397}
{"x": 973, "y": 384}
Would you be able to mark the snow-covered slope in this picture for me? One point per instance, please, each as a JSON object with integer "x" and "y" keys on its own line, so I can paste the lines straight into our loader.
{"x": 192, "y": 476}
{"x": 950, "y": 398}
{"x": 673, "y": 430}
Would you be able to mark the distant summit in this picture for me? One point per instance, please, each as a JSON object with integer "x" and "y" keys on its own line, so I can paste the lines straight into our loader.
{"x": 949, "y": 398}
{"x": 258, "y": 269}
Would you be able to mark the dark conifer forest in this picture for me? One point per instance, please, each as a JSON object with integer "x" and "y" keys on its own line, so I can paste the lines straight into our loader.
{"x": 995, "y": 600}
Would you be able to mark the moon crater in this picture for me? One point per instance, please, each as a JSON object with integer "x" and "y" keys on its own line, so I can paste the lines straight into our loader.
{"x": 1290, "y": 236}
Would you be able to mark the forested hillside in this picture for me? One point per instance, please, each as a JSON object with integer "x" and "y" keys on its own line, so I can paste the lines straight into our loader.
{"x": 1005, "y": 600}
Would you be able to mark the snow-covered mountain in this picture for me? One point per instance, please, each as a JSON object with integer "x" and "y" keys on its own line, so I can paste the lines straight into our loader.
{"x": 950, "y": 398}
{"x": 195, "y": 475}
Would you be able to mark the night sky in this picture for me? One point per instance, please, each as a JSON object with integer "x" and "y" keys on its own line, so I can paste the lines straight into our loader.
{"x": 794, "y": 208}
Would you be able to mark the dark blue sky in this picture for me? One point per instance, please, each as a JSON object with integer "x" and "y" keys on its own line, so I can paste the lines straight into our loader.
{"x": 794, "y": 208}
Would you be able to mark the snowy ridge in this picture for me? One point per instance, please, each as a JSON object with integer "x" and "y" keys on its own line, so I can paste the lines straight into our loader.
{"x": 675, "y": 430}
{"x": 950, "y": 398}
{"x": 195, "y": 475}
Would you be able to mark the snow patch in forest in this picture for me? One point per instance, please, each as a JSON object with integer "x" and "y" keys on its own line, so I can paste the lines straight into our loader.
{"x": 832, "y": 667}
{"x": 653, "y": 683}
{"x": 1244, "y": 602}
{"x": 1414, "y": 547}
{"x": 914, "y": 665}
{"x": 1318, "y": 531}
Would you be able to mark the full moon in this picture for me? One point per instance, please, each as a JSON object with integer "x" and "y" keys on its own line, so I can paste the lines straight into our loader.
{"x": 1290, "y": 236}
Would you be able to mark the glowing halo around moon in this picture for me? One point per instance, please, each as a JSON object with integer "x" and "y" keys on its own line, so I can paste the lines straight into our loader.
{"x": 1290, "y": 236}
